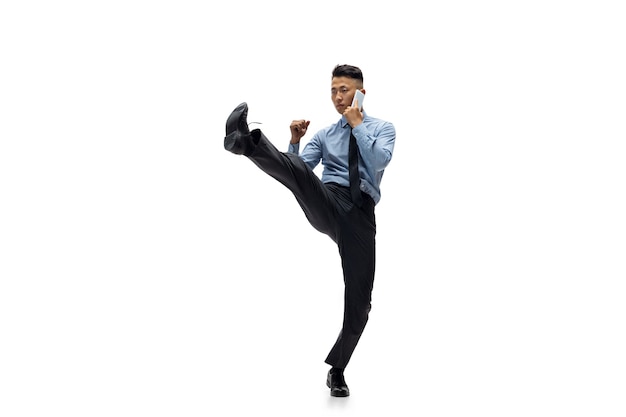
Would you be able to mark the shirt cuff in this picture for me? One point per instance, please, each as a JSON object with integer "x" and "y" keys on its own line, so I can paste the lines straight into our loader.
{"x": 294, "y": 148}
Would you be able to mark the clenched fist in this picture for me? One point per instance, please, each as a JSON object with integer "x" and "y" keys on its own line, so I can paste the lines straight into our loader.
{"x": 298, "y": 129}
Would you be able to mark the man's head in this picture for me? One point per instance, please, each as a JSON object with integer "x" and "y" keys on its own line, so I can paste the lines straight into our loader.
{"x": 346, "y": 80}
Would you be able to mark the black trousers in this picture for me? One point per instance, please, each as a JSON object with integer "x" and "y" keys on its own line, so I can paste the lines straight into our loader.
{"x": 329, "y": 209}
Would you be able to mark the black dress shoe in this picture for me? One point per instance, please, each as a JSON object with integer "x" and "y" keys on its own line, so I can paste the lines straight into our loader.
{"x": 238, "y": 139}
{"x": 337, "y": 384}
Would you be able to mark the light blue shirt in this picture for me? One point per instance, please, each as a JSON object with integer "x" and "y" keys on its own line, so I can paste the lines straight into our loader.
{"x": 375, "y": 139}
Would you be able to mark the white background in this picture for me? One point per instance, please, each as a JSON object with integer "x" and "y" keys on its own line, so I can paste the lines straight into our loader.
{"x": 145, "y": 271}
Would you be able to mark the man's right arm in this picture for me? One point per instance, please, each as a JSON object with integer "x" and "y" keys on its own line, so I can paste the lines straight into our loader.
{"x": 298, "y": 130}
{"x": 311, "y": 153}
{"x": 294, "y": 148}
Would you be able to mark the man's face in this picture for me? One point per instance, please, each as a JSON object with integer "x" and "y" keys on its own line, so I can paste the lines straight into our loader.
{"x": 342, "y": 92}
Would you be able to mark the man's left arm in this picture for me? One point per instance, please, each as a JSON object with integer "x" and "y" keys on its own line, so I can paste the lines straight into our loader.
{"x": 375, "y": 144}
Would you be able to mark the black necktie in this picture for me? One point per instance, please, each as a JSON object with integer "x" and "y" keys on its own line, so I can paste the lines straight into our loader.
{"x": 353, "y": 166}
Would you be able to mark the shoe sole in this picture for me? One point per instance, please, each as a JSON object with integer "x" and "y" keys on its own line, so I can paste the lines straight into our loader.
{"x": 231, "y": 142}
{"x": 233, "y": 120}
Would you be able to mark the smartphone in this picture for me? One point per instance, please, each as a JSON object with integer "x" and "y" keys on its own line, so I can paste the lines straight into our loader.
{"x": 358, "y": 96}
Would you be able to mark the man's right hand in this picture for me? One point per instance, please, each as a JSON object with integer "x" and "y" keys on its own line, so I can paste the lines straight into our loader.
{"x": 298, "y": 129}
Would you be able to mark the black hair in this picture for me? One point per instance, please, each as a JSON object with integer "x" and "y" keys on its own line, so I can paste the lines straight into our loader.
{"x": 349, "y": 71}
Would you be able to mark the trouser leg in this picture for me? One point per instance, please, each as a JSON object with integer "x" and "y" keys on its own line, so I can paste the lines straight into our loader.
{"x": 317, "y": 202}
{"x": 329, "y": 210}
{"x": 357, "y": 249}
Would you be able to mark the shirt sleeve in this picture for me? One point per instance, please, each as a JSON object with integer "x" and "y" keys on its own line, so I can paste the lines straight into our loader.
{"x": 376, "y": 147}
{"x": 311, "y": 153}
{"x": 294, "y": 148}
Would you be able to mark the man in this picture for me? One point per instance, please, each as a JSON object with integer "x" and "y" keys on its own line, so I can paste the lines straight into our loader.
{"x": 336, "y": 205}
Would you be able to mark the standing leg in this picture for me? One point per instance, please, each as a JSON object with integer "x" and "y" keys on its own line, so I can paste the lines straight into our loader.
{"x": 357, "y": 249}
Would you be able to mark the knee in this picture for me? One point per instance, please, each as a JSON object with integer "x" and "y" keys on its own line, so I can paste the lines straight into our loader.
{"x": 360, "y": 314}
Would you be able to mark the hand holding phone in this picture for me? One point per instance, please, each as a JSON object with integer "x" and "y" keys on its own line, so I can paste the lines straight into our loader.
{"x": 358, "y": 98}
